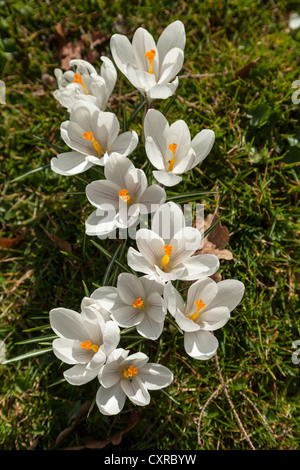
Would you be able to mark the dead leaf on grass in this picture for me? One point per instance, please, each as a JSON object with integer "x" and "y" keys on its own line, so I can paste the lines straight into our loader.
{"x": 216, "y": 239}
{"x": 63, "y": 245}
{"x": 116, "y": 439}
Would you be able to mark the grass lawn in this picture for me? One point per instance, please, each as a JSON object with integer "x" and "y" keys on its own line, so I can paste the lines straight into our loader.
{"x": 241, "y": 59}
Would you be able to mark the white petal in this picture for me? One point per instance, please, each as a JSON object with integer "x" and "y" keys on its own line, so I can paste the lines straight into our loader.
{"x": 202, "y": 144}
{"x": 185, "y": 242}
{"x": 136, "y": 391}
{"x": 111, "y": 337}
{"x": 230, "y": 293}
{"x": 103, "y": 194}
{"x": 200, "y": 266}
{"x": 124, "y": 144}
{"x": 201, "y": 344}
{"x": 138, "y": 263}
{"x": 154, "y": 154}
{"x": 110, "y": 374}
{"x": 163, "y": 91}
{"x": 186, "y": 163}
{"x": 150, "y": 329}
{"x": 110, "y": 401}
{"x": 168, "y": 220}
{"x": 141, "y": 80}
{"x": 138, "y": 360}
{"x": 180, "y": 135}
{"x": 106, "y": 297}
{"x": 151, "y": 285}
{"x": 130, "y": 288}
{"x": 109, "y": 73}
{"x": 155, "y": 376}
{"x": 135, "y": 183}
{"x": 69, "y": 351}
{"x": 171, "y": 65}
{"x": 186, "y": 324}
{"x": 150, "y": 245}
{"x": 167, "y": 178}
{"x": 214, "y": 318}
{"x": 100, "y": 222}
{"x": 67, "y": 323}
{"x": 156, "y": 126}
{"x": 173, "y": 299}
{"x": 70, "y": 163}
{"x": 152, "y": 198}
{"x": 116, "y": 169}
{"x": 72, "y": 134}
{"x": 205, "y": 289}
{"x": 107, "y": 130}
{"x": 172, "y": 36}
{"x": 122, "y": 51}
{"x": 156, "y": 307}
{"x": 80, "y": 375}
{"x": 143, "y": 42}
{"x": 127, "y": 316}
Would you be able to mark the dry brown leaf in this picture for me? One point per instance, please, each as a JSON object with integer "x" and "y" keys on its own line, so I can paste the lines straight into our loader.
{"x": 63, "y": 245}
{"x": 244, "y": 71}
{"x": 8, "y": 242}
{"x": 116, "y": 439}
{"x": 81, "y": 415}
{"x": 216, "y": 239}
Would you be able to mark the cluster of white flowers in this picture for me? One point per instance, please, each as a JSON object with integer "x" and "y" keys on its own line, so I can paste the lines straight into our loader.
{"x": 165, "y": 253}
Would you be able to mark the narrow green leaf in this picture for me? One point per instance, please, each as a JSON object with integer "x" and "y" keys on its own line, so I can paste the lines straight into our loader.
{"x": 37, "y": 352}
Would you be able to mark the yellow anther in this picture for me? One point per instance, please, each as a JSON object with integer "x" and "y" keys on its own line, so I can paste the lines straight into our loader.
{"x": 90, "y": 136}
{"x": 173, "y": 148}
{"x": 150, "y": 56}
{"x": 78, "y": 79}
{"x": 168, "y": 251}
{"x": 130, "y": 372}
{"x": 199, "y": 304}
{"x": 139, "y": 303}
{"x": 123, "y": 194}
{"x": 88, "y": 345}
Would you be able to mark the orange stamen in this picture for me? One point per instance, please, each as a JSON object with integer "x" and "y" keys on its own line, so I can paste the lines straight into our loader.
{"x": 130, "y": 372}
{"x": 173, "y": 148}
{"x": 78, "y": 79}
{"x": 200, "y": 305}
{"x": 150, "y": 56}
{"x": 168, "y": 251}
{"x": 139, "y": 303}
{"x": 123, "y": 194}
{"x": 88, "y": 345}
{"x": 90, "y": 136}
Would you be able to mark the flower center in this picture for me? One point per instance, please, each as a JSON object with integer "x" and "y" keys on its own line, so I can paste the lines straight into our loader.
{"x": 88, "y": 345}
{"x": 200, "y": 305}
{"x": 166, "y": 258}
{"x": 139, "y": 303}
{"x": 150, "y": 56}
{"x": 78, "y": 79}
{"x": 130, "y": 372}
{"x": 173, "y": 148}
{"x": 90, "y": 136}
{"x": 123, "y": 194}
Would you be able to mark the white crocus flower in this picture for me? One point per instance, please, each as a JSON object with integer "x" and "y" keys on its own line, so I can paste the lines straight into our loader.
{"x": 86, "y": 83}
{"x": 151, "y": 67}
{"x": 85, "y": 340}
{"x": 129, "y": 376}
{"x": 94, "y": 137}
{"x": 124, "y": 194}
{"x": 167, "y": 250}
{"x": 135, "y": 302}
{"x": 207, "y": 309}
{"x": 170, "y": 148}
